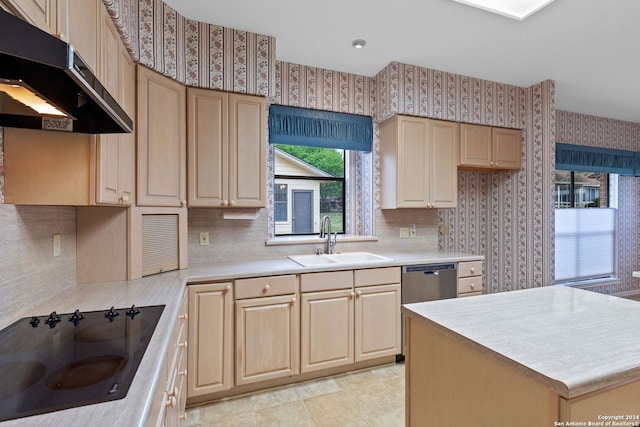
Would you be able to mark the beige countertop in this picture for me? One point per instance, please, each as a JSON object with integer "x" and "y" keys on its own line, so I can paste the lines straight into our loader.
{"x": 168, "y": 288}
{"x": 574, "y": 341}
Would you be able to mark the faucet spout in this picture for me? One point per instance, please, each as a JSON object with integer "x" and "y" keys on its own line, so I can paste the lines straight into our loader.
{"x": 325, "y": 232}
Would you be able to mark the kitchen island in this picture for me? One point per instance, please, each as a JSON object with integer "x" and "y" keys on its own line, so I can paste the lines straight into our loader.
{"x": 551, "y": 356}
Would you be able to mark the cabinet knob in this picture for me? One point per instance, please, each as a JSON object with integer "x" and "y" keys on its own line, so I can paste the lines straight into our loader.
{"x": 225, "y": 203}
{"x": 227, "y": 288}
{"x": 472, "y": 270}
{"x": 352, "y": 294}
{"x": 171, "y": 402}
{"x": 358, "y": 292}
{"x": 183, "y": 373}
{"x": 232, "y": 203}
{"x": 184, "y": 316}
{"x": 293, "y": 300}
{"x": 183, "y": 416}
{"x": 183, "y": 345}
{"x": 472, "y": 286}
{"x": 173, "y": 393}
{"x": 121, "y": 200}
{"x": 183, "y": 203}
{"x": 125, "y": 198}
{"x": 267, "y": 287}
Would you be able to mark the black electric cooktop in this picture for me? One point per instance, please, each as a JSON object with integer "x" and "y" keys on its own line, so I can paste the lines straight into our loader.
{"x": 60, "y": 361}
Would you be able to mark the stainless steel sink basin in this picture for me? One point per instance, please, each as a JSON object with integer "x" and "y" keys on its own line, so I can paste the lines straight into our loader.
{"x": 338, "y": 259}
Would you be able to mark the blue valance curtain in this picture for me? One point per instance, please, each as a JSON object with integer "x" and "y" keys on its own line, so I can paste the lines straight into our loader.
{"x": 594, "y": 159}
{"x": 301, "y": 126}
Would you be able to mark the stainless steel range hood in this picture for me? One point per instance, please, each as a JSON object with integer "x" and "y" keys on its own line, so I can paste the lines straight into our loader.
{"x": 43, "y": 68}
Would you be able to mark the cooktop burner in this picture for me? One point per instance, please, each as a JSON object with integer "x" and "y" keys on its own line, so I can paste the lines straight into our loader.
{"x": 59, "y": 361}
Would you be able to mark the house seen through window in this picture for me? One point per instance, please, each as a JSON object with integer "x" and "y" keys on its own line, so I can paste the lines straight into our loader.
{"x": 309, "y": 183}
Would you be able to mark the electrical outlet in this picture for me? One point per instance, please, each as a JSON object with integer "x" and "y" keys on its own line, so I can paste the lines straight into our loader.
{"x": 445, "y": 229}
{"x": 204, "y": 238}
{"x": 404, "y": 232}
{"x": 56, "y": 245}
{"x": 412, "y": 231}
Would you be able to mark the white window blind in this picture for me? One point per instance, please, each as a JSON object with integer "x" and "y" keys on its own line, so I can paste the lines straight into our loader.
{"x": 584, "y": 243}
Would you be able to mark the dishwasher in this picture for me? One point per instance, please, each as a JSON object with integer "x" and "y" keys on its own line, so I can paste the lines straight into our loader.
{"x": 428, "y": 282}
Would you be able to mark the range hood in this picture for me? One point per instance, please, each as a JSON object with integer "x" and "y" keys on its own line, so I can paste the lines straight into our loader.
{"x": 36, "y": 66}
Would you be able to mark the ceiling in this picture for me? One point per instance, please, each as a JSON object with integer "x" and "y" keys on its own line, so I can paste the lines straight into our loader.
{"x": 589, "y": 47}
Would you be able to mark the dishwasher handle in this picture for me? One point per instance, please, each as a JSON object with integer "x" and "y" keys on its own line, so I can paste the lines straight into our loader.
{"x": 431, "y": 273}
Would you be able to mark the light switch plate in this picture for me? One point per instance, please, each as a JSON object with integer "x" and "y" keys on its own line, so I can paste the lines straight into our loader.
{"x": 204, "y": 238}
{"x": 404, "y": 232}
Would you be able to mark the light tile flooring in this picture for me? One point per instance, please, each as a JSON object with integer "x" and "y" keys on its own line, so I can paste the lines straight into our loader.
{"x": 372, "y": 397}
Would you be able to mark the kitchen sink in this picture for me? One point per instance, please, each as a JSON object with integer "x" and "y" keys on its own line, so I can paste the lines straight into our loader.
{"x": 338, "y": 259}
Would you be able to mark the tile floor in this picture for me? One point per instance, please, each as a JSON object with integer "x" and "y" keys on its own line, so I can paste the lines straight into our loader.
{"x": 372, "y": 397}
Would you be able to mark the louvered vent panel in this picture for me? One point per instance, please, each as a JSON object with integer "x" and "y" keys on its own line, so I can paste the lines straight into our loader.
{"x": 159, "y": 243}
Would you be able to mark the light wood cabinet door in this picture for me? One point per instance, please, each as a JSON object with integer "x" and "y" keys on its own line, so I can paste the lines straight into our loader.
{"x": 247, "y": 151}
{"x": 267, "y": 338}
{"x": 83, "y": 23}
{"x": 327, "y": 329}
{"x": 226, "y": 149}
{"x": 418, "y": 163}
{"x": 377, "y": 321}
{"x": 475, "y": 145}
{"x": 207, "y": 140}
{"x": 489, "y": 148}
{"x": 161, "y": 140}
{"x": 507, "y": 148}
{"x": 115, "y": 152}
{"x": 210, "y": 338}
{"x": 443, "y": 164}
{"x": 41, "y": 13}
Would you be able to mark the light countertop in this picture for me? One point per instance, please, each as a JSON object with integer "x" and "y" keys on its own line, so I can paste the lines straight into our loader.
{"x": 168, "y": 288}
{"x": 574, "y": 341}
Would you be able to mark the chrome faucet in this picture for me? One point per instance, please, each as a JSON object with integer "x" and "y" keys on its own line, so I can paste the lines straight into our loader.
{"x": 326, "y": 233}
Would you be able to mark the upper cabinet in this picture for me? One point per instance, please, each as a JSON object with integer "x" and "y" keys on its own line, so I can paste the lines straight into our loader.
{"x": 161, "y": 132}
{"x": 418, "y": 161}
{"x": 489, "y": 148}
{"x": 226, "y": 149}
{"x": 41, "y": 13}
{"x": 60, "y": 168}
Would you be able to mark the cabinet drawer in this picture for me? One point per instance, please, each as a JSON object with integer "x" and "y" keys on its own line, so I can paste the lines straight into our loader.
{"x": 470, "y": 284}
{"x": 377, "y": 276}
{"x": 469, "y": 268}
{"x": 326, "y": 281}
{"x": 264, "y": 286}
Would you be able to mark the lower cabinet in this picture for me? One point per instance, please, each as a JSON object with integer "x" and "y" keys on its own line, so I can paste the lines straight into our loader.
{"x": 359, "y": 322}
{"x": 267, "y": 329}
{"x": 469, "y": 278}
{"x": 211, "y": 337}
{"x": 171, "y": 407}
{"x": 327, "y": 322}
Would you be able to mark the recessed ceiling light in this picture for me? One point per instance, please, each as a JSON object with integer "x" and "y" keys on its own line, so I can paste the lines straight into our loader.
{"x": 358, "y": 43}
{"x": 514, "y": 9}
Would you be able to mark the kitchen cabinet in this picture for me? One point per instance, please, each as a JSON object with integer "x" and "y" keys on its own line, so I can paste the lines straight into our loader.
{"x": 161, "y": 140}
{"x": 59, "y": 168}
{"x": 327, "y": 320}
{"x": 489, "y": 148}
{"x": 116, "y": 168}
{"x": 41, "y": 13}
{"x": 377, "y": 313}
{"x": 83, "y": 21}
{"x": 418, "y": 160}
{"x": 170, "y": 400}
{"x": 226, "y": 149}
{"x": 210, "y": 337}
{"x": 267, "y": 322}
{"x": 349, "y": 316}
{"x": 469, "y": 278}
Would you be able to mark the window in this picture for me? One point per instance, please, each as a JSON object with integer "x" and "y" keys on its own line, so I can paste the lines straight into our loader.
{"x": 581, "y": 189}
{"x": 310, "y": 182}
{"x": 321, "y": 166}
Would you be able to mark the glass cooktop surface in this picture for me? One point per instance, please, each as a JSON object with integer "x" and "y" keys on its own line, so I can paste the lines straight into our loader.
{"x": 59, "y": 361}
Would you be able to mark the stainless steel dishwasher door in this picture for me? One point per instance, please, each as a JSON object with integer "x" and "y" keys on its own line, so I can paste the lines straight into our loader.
{"x": 427, "y": 283}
